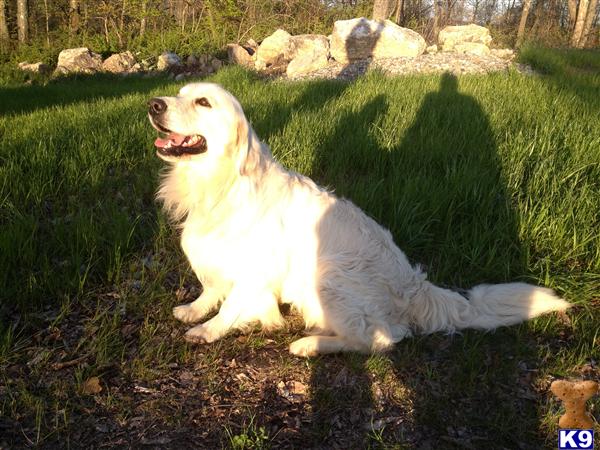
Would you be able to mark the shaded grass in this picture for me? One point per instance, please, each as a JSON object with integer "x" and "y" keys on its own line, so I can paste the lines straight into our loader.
{"x": 77, "y": 182}
{"x": 496, "y": 179}
{"x": 573, "y": 71}
{"x": 562, "y": 61}
{"x": 45, "y": 92}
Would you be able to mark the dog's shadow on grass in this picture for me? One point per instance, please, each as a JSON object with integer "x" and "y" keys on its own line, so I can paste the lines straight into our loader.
{"x": 441, "y": 192}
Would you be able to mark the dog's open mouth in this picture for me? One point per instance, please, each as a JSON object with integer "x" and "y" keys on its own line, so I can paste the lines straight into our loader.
{"x": 173, "y": 144}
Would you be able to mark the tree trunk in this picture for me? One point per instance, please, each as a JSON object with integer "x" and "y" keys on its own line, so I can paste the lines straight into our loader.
{"x": 179, "y": 11}
{"x": 572, "y": 6}
{"x": 183, "y": 15}
{"x": 117, "y": 32}
{"x": 106, "y": 34}
{"x": 579, "y": 23}
{"x": 399, "y": 12}
{"x": 381, "y": 9}
{"x": 74, "y": 16}
{"x": 553, "y": 15}
{"x": 523, "y": 21}
{"x": 538, "y": 17}
{"x": 84, "y": 19}
{"x": 47, "y": 14}
{"x": 22, "y": 21}
{"x": 143, "y": 19}
{"x": 4, "y": 36}
{"x": 589, "y": 21}
{"x": 122, "y": 19}
{"x": 436, "y": 19}
{"x": 508, "y": 16}
{"x": 475, "y": 8}
{"x": 211, "y": 21}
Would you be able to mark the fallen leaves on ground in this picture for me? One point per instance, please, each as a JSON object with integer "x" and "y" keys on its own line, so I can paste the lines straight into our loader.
{"x": 91, "y": 386}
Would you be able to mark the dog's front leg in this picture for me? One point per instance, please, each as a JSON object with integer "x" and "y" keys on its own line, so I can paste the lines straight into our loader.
{"x": 199, "y": 308}
{"x": 242, "y": 306}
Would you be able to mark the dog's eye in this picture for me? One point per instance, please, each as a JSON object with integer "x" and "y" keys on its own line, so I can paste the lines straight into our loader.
{"x": 202, "y": 102}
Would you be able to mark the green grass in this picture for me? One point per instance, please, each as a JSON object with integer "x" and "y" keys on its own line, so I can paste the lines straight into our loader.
{"x": 573, "y": 71}
{"x": 483, "y": 179}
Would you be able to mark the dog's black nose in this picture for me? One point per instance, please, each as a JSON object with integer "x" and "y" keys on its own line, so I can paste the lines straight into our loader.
{"x": 157, "y": 106}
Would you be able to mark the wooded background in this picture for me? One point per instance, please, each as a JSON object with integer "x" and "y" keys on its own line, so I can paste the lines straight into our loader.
{"x": 41, "y": 28}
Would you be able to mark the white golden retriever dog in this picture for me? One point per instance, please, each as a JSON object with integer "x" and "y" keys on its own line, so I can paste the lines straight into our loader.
{"x": 257, "y": 234}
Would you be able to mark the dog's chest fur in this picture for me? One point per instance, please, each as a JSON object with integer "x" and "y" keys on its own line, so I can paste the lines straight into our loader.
{"x": 236, "y": 249}
{"x": 270, "y": 237}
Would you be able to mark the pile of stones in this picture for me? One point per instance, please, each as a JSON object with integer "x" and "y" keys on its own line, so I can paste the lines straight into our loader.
{"x": 357, "y": 44}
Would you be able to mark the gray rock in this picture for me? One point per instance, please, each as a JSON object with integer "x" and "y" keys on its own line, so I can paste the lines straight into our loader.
{"x": 308, "y": 52}
{"x": 216, "y": 64}
{"x": 203, "y": 60}
{"x": 504, "y": 53}
{"x": 361, "y": 38}
{"x": 168, "y": 61}
{"x": 272, "y": 48}
{"x": 441, "y": 62}
{"x": 432, "y": 49}
{"x": 192, "y": 61}
{"x": 306, "y": 62}
{"x": 251, "y": 43}
{"x": 237, "y": 54}
{"x": 449, "y": 37}
{"x": 78, "y": 60}
{"x": 38, "y": 67}
{"x": 472, "y": 47}
{"x": 307, "y": 43}
{"x": 120, "y": 63}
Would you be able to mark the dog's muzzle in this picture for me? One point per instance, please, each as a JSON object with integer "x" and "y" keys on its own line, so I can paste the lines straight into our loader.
{"x": 169, "y": 142}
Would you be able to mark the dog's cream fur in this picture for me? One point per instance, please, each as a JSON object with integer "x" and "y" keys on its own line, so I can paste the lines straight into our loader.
{"x": 257, "y": 234}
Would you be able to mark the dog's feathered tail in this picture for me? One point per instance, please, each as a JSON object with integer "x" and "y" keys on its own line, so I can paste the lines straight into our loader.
{"x": 485, "y": 307}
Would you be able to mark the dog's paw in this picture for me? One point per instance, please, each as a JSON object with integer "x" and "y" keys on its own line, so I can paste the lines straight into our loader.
{"x": 187, "y": 313}
{"x": 304, "y": 347}
{"x": 201, "y": 334}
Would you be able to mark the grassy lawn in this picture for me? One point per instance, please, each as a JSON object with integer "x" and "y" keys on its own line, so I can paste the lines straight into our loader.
{"x": 481, "y": 178}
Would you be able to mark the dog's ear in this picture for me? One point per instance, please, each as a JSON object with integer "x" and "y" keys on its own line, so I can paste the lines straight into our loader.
{"x": 248, "y": 157}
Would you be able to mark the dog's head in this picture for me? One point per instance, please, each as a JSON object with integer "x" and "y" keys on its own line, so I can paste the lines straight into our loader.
{"x": 203, "y": 123}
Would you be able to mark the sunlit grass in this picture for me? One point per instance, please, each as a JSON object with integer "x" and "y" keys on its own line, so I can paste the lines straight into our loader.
{"x": 481, "y": 179}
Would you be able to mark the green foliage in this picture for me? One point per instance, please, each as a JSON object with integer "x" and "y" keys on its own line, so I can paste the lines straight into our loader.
{"x": 11, "y": 75}
{"x": 151, "y": 45}
{"x": 250, "y": 437}
{"x": 33, "y": 52}
{"x": 201, "y": 28}
{"x": 502, "y": 36}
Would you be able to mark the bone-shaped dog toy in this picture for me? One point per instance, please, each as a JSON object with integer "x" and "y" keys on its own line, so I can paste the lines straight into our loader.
{"x": 574, "y": 395}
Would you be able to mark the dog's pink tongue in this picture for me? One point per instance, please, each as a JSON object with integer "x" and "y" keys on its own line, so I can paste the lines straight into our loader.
{"x": 174, "y": 138}
{"x": 160, "y": 142}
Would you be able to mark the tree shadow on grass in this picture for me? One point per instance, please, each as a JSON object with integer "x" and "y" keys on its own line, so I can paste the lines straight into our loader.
{"x": 69, "y": 90}
{"x": 74, "y": 206}
{"x": 442, "y": 194}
